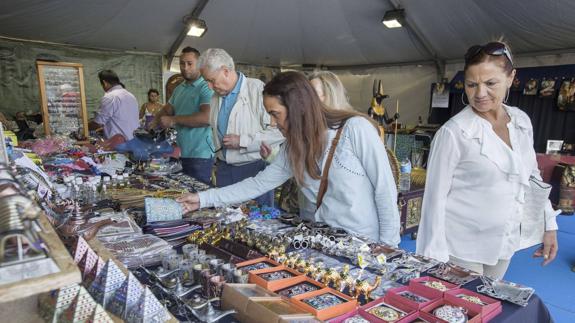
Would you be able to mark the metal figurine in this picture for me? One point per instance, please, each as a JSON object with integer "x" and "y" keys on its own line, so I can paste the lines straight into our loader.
{"x": 331, "y": 276}
{"x": 77, "y": 225}
{"x": 364, "y": 288}
{"x": 347, "y": 280}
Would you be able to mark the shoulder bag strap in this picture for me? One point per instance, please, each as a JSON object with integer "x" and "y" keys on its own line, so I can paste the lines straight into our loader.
{"x": 325, "y": 173}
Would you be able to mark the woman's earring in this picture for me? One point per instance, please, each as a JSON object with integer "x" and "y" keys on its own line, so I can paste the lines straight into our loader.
{"x": 463, "y": 101}
{"x": 506, "y": 96}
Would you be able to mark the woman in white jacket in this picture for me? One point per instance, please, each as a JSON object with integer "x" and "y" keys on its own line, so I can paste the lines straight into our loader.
{"x": 361, "y": 196}
{"x": 478, "y": 173}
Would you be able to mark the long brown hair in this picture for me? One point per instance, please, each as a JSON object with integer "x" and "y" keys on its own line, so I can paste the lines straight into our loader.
{"x": 308, "y": 120}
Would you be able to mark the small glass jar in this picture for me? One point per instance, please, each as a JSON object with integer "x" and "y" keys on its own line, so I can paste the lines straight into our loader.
{"x": 187, "y": 272}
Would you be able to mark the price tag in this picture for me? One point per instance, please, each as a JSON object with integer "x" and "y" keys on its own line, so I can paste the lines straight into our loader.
{"x": 381, "y": 259}
{"x": 361, "y": 261}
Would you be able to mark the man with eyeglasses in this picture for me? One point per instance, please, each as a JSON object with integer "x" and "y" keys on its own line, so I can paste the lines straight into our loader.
{"x": 239, "y": 121}
{"x": 188, "y": 111}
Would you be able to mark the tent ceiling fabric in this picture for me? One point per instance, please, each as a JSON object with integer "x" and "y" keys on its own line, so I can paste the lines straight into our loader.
{"x": 141, "y": 25}
{"x": 279, "y": 32}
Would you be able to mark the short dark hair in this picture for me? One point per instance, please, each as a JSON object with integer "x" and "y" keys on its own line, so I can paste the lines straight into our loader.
{"x": 189, "y": 49}
{"x": 153, "y": 91}
{"x": 109, "y": 76}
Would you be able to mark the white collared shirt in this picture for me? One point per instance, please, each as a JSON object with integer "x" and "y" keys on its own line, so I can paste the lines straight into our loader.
{"x": 475, "y": 188}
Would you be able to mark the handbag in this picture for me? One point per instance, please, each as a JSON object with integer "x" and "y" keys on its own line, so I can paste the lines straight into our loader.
{"x": 533, "y": 213}
{"x": 325, "y": 173}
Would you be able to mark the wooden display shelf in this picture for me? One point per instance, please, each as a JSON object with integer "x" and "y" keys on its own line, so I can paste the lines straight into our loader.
{"x": 69, "y": 273}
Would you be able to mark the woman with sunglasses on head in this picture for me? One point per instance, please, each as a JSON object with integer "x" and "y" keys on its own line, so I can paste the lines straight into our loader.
{"x": 336, "y": 152}
{"x": 478, "y": 172}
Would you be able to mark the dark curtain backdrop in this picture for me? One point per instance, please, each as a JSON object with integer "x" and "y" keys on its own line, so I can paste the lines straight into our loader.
{"x": 549, "y": 123}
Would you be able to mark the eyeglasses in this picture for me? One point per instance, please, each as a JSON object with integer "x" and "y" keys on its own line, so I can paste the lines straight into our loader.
{"x": 493, "y": 49}
{"x": 211, "y": 146}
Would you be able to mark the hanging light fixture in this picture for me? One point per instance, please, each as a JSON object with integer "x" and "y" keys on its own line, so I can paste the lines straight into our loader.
{"x": 198, "y": 27}
{"x": 393, "y": 18}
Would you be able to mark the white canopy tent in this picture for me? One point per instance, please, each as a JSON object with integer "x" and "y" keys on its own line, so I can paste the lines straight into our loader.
{"x": 343, "y": 35}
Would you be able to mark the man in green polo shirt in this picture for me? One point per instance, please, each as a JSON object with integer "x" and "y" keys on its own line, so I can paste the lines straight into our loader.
{"x": 188, "y": 110}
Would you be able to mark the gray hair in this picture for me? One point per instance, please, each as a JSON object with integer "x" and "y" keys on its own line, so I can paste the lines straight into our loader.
{"x": 333, "y": 89}
{"x": 216, "y": 58}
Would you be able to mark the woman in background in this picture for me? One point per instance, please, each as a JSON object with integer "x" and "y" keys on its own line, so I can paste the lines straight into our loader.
{"x": 330, "y": 90}
{"x": 150, "y": 108}
{"x": 478, "y": 172}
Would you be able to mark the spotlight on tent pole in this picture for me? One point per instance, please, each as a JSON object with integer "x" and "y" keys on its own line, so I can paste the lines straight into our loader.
{"x": 393, "y": 18}
{"x": 198, "y": 27}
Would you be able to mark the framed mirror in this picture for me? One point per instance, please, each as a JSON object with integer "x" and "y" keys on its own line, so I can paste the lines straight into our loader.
{"x": 63, "y": 98}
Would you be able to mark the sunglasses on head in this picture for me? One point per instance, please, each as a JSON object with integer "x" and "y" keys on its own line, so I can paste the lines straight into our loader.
{"x": 493, "y": 49}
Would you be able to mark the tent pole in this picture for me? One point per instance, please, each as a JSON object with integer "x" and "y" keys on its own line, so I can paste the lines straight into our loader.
{"x": 176, "y": 44}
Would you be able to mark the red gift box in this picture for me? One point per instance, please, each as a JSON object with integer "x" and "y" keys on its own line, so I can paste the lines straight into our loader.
{"x": 393, "y": 297}
{"x": 364, "y": 310}
{"x": 417, "y": 286}
{"x": 427, "y": 312}
{"x": 488, "y": 311}
{"x": 342, "y": 318}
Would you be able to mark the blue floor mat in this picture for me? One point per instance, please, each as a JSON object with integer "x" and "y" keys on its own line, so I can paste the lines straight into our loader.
{"x": 554, "y": 283}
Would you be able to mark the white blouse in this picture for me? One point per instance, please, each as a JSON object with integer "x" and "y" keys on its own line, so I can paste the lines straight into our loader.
{"x": 475, "y": 188}
{"x": 361, "y": 195}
